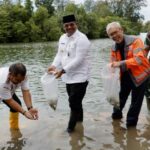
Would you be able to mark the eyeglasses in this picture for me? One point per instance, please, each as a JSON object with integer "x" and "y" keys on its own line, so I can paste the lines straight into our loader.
{"x": 113, "y": 33}
{"x": 66, "y": 25}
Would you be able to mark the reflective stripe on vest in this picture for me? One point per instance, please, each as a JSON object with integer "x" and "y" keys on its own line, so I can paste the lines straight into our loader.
{"x": 137, "y": 50}
{"x": 138, "y": 60}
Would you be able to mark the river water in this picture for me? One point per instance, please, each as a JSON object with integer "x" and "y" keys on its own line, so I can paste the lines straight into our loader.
{"x": 98, "y": 131}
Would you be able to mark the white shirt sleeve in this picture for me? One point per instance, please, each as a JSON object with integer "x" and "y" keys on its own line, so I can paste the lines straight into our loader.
{"x": 5, "y": 92}
{"x": 82, "y": 48}
{"x": 57, "y": 59}
{"x": 25, "y": 84}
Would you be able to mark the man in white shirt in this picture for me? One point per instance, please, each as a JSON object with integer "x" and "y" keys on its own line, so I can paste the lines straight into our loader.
{"x": 72, "y": 64}
{"x": 10, "y": 79}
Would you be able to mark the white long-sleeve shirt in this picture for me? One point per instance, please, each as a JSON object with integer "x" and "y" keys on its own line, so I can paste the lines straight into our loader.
{"x": 73, "y": 57}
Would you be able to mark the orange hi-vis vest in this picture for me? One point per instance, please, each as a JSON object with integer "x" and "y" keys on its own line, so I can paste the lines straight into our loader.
{"x": 135, "y": 61}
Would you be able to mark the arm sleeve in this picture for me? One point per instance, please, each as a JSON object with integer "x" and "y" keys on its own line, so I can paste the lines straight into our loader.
{"x": 5, "y": 92}
{"x": 138, "y": 55}
{"x": 25, "y": 84}
{"x": 57, "y": 59}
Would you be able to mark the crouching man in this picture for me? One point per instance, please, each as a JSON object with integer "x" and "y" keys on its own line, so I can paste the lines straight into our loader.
{"x": 11, "y": 78}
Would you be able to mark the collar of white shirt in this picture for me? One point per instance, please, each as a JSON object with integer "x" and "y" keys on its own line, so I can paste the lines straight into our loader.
{"x": 74, "y": 35}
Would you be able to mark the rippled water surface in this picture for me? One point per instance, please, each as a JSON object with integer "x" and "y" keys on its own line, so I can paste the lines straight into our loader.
{"x": 98, "y": 131}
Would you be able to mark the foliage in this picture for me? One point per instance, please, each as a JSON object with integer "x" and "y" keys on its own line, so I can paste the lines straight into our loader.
{"x": 5, "y": 26}
{"x": 24, "y": 23}
{"x": 29, "y": 8}
{"x": 129, "y": 9}
{"x": 146, "y": 27}
{"x": 47, "y": 4}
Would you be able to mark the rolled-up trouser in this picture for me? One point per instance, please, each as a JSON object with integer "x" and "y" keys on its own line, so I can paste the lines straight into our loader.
{"x": 14, "y": 97}
{"x": 76, "y": 92}
{"x": 14, "y": 115}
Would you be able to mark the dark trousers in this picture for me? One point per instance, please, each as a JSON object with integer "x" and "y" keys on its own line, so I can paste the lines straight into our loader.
{"x": 137, "y": 95}
{"x": 76, "y": 92}
{"x": 147, "y": 91}
{"x": 14, "y": 97}
{"x": 147, "y": 94}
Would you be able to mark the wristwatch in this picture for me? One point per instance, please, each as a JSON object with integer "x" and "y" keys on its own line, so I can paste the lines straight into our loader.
{"x": 63, "y": 71}
{"x": 30, "y": 107}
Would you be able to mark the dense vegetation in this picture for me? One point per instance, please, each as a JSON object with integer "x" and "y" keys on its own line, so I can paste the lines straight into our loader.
{"x": 41, "y": 21}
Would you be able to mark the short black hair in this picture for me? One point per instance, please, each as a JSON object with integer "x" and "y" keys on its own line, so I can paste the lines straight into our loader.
{"x": 17, "y": 68}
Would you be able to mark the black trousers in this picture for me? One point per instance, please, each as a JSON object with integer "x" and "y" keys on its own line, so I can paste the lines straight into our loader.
{"x": 147, "y": 91}
{"x": 137, "y": 96}
{"x": 16, "y": 99}
{"x": 76, "y": 92}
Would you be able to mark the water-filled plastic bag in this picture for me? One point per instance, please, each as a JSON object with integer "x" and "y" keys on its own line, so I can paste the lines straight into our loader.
{"x": 50, "y": 88}
{"x": 111, "y": 84}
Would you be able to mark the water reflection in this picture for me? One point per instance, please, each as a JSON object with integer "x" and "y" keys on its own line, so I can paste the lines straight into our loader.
{"x": 17, "y": 142}
{"x": 49, "y": 133}
{"x": 118, "y": 133}
{"x": 131, "y": 138}
{"x": 77, "y": 138}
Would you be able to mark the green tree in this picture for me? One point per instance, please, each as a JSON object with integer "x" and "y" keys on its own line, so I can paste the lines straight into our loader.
{"x": 39, "y": 17}
{"x": 35, "y": 31}
{"x": 60, "y": 4}
{"x": 101, "y": 9}
{"x": 29, "y": 8}
{"x": 88, "y": 5}
{"x": 19, "y": 32}
{"x": 146, "y": 27}
{"x": 18, "y": 13}
{"x": 47, "y": 4}
{"x": 52, "y": 29}
{"x": 127, "y": 8}
{"x": 5, "y": 26}
{"x": 93, "y": 26}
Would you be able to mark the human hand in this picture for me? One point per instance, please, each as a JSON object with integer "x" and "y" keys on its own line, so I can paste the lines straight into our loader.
{"x": 58, "y": 73}
{"x": 34, "y": 113}
{"x": 115, "y": 64}
{"x": 28, "y": 115}
{"x": 51, "y": 69}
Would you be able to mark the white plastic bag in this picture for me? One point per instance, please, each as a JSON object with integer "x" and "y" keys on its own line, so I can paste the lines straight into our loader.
{"x": 50, "y": 88}
{"x": 111, "y": 83}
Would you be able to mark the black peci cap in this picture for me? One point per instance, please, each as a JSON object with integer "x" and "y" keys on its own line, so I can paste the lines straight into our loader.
{"x": 69, "y": 18}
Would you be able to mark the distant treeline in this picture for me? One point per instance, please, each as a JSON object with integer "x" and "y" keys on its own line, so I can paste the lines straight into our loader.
{"x": 41, "y": 21}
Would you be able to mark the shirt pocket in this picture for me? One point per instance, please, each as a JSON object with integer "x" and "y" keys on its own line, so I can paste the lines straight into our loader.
{"x": 71, "y": 49}
{"x": 62, "y": 47}
{"x": 72, "y": 45}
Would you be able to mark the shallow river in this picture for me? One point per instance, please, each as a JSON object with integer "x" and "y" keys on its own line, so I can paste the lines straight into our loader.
{"x": 98, "y": 131}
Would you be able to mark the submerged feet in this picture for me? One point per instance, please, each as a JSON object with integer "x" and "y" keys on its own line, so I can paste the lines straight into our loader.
{"x": 117, "y": 114}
